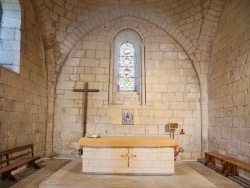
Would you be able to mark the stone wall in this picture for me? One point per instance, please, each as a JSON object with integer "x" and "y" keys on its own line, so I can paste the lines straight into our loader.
{"x": 229, "y": 76}
{"x": 172, "y": 91}
{"x": 191, "y": 23}
{"x": 23, "y": 100}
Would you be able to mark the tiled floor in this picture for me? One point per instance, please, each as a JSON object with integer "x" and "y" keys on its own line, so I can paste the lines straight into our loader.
{"x": 63, "y": 173}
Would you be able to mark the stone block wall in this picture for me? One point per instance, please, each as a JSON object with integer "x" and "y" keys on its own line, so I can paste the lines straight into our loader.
{"x": 172, "y": 91}
{"x": 23, "y": 96}
{"x": 229, "y": 76}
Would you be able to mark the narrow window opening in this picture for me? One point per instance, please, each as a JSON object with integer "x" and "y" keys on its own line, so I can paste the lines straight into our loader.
{"x": 127, "y": 67}
{"x": 10, "y": 35}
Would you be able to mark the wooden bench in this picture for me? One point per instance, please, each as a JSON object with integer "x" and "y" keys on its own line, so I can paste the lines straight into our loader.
{"x": 211, "y": 156}
{"x": 228, "y": 164}
{"x": 232, "y": 165}
{"x": 13, "y": 158}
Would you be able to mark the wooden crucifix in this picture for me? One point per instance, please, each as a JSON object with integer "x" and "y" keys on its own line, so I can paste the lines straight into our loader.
{"x": 85, "y": 90}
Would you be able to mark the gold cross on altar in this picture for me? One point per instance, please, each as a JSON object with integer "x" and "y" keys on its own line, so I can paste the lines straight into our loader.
{"x": 128, "y": 155}
{"x": 85, "y": 102}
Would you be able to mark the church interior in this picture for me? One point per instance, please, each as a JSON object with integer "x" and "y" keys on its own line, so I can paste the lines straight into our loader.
{"x": 71, "y": 68}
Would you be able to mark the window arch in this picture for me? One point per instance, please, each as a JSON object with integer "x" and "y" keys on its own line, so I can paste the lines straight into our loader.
{"x": 10, "y": 35}
{"x": 127, "y": 72}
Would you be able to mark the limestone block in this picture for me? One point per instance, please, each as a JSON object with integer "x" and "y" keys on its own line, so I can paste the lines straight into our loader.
{"x": 66, "y": 85}
{"x": 11, "y": 142}
{"x": 154, "y": 97}
{"x": 6, "y": 77}
{"x": 92, "y": 45}
{"x": 147, "y": 120}
{"x": 152, "y": 80}
{"x": 184, "y": 113}
{"x": 72, "y": 62}
{"x": 70, "y": 118}
{"x": 169, "y": 97}
{"x": 182, "y": 56}
{"x": 178, "y": 79}
{"x": 227, "y": 133}
{"x": 17, "y": 106}
{"x": 157, "y": 113}
{"x": 143, "y": 113}
{"x": 90, "y": 53}
{"x": 98, "y": 70}
{"x": 105, "y": 120}
{"x": 167, "y": 47}
{"x": 97, "y": 104}
{"x": 77, "y": 53}
{"x": 116, "y": 120}
{"x": 152, "y": 129}
{"x": 152, "y": 47}
{"x": 170, "y": 55}
{"x": 195, "y": 138}
{"x": 233, "y": 146}
{"x": 69, "y": 103}
{"x": 159, "y": 87}
{"x": 246, "y": 134}
{"x": 87, "y": 77}
{"x": 244, "y": 148}
{"x": 228, "y": 101}
{"x": 172, "y": 88}
{"x": 104, "y": 78}
{"x": 104, "y": 62}
{"x": 71, "y": 111}
{"x": 101, "y": 54}
{"x": 161, "y": 121}
{"x": 180, "y": 105}
{"x": 156, "y": 56}
{"x": 191, "y": 88}
{"x": 114, "y": 112}
{"x": 89, "y": 62}
{"x": 137, "y": 129}
{"x": 7, "y": 33}
{"x": 59, "y": 10}
{"x": 121, "y": 129}
{"x": 102, "y": 112}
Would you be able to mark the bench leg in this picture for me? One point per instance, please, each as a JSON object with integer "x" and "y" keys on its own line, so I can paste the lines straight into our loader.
{"x": 32, "y": 163}
{"x": 229, "y": 169}
{"x": 223, "y": 166}
{"x": 235, "y": 170}
{"x": 8, "y": 176}
{"x": 208, "y": 159}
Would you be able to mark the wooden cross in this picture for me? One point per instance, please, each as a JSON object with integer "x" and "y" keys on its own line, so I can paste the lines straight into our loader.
{"x": 86, "y": 90}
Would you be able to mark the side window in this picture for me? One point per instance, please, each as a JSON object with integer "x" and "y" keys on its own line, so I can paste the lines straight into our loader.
{"x": 10, "y": 35}
{"x": 1, "y": 12}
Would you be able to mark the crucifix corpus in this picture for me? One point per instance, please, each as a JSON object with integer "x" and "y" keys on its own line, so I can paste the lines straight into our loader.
{"x": 85, "y": 94}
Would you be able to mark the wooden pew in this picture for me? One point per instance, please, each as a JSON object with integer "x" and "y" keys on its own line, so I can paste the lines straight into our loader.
{"x": 211, "y": 156}
{"x": 16, "y": 157}
{"x": 232, "y": 165}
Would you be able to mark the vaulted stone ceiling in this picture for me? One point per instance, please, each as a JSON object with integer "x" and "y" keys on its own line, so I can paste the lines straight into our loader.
{"x": 192, "y": 23}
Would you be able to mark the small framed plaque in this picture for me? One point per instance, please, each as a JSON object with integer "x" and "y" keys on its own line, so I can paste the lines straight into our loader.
{"x": 128, "y": 117}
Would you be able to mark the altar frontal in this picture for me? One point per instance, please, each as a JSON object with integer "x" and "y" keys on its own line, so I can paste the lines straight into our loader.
{"x": 128, "y": 155}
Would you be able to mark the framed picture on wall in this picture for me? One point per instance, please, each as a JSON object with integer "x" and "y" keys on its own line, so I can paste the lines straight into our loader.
{"x": 128, "y": 117}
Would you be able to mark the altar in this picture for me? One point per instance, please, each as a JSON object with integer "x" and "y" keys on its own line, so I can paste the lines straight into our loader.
{"x": 128, "y": 155}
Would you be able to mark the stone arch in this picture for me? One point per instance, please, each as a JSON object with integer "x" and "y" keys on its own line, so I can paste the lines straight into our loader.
{"x": 119, "y": 13}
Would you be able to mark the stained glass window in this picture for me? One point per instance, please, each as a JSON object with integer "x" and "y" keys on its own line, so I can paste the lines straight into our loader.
{"x": 127, "y": 67}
